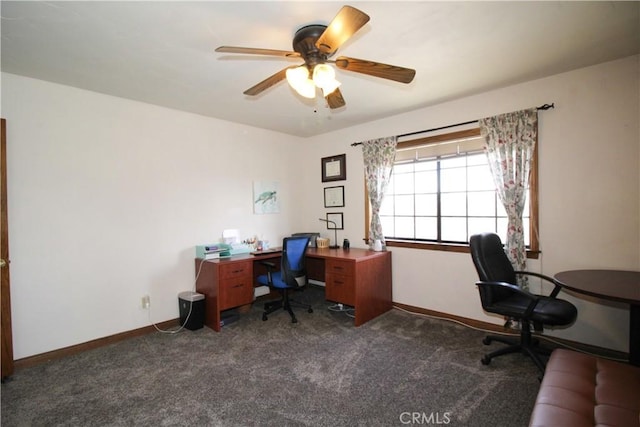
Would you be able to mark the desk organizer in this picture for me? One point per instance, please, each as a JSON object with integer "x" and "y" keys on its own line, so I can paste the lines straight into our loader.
{"x": 321, "y": 242}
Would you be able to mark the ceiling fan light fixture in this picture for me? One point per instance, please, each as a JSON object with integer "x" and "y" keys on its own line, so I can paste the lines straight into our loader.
{"x": 298, "y": 79}
{"x": 324, "y": 76}
{"x": 330, "y": 87}
{"x": 307, "y": 89}
{"x": 314, "y": 44}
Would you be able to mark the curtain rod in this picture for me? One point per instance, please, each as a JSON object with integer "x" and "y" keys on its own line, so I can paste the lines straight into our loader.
{"x": 542, "y": 107}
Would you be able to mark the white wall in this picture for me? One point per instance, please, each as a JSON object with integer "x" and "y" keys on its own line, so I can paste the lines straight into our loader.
{"x": 107, "y": 198}
{"x": 589, "y": 191}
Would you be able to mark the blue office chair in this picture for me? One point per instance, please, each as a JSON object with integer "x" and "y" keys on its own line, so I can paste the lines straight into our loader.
{"x": 291, "y": 277}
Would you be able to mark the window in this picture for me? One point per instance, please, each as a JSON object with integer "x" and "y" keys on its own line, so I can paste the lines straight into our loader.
{"x": 441, "y": 192}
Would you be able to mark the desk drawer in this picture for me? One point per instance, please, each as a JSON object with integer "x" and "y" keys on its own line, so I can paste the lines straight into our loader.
{"x": 235, "y": 269}
{"x": 335, "y": 266}
{"x": 235, "y": 292}
{"x": 340, "y": 288}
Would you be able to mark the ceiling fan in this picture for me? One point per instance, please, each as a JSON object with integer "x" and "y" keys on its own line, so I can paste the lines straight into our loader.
{"x": 315, "y": 44}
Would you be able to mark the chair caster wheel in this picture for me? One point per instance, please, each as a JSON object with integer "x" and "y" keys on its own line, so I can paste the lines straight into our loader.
{"x": 310, "y": 310}
{"x": 264, "y": 317}
{"x": 486, "y": 341}
{"x": 485, "y": 360}
{"x": 294, "y": 320}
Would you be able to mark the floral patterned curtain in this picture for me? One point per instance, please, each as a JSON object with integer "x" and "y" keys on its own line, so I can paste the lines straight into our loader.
{"x": 510, "y": 141}
{"x": 379, "y": 155}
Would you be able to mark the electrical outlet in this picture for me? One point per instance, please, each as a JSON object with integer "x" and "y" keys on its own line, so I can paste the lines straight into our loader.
{"x": 146, "y": 301}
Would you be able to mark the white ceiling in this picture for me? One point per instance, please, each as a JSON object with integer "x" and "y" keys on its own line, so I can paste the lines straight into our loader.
{"x": 163, "y": 52}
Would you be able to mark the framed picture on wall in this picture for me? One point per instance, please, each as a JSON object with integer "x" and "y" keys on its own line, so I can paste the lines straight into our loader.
{"x": 334, "y": 221}
{"x": 334, "y": 168}
{"x": 334, "y": 197}
{"x": 265, "y": 197}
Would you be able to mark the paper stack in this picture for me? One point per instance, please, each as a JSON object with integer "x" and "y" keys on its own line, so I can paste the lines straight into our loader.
{"x": 210, "y": 251}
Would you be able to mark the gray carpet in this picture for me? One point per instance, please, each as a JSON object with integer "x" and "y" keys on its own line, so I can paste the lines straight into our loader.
{"x": 399, "y": 369}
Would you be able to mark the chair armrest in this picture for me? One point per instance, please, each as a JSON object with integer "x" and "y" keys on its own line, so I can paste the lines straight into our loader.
{"x": 268, "y": 264}
{"x": 270, "y": 268}
{"x": 533, "y": 299}
{"x": 556, "y": 288}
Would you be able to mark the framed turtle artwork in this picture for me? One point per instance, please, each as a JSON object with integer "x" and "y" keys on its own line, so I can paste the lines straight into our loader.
{"x": 265, "y": 197}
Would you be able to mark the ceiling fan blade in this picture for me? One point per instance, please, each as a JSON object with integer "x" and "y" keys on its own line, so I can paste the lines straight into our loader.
{"x": 335, "y": 99}
{"x": 267, "y": 83}
{"x": 376, "y": 69}
{"x": 255, "y": 51}
{"x": 346, "y": 23}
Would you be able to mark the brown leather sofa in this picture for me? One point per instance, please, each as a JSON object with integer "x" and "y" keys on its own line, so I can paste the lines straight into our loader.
{"x": 582, "y": 390}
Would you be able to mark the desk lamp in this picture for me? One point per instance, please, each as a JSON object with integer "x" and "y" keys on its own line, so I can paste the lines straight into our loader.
{"x": 335, "y": 230}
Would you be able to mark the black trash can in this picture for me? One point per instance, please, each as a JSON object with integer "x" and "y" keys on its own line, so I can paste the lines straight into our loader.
{"x": 191, "y": 310}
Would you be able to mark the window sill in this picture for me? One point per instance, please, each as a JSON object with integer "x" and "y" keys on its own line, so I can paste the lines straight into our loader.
{"x": 447, "y": 247}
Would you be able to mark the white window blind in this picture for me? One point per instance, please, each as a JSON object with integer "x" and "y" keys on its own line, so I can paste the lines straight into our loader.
{"x": 429, "y": 150}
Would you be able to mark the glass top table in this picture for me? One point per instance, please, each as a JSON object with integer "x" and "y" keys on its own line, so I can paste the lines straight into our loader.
{"x": 615, "y": 285}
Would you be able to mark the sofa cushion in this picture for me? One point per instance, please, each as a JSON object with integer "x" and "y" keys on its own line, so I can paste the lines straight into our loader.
{"x": 582, "y": 390}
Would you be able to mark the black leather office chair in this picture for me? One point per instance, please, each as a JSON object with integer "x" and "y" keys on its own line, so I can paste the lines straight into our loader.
{"x": 292, "y": 276}
{"x": 500, "y": 294}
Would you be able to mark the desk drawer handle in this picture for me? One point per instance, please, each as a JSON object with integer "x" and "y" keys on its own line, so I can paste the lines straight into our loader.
{"x": 338, "y": 268}
{"x": 338, "y": 282}
{"x": 239, "y": 285}
{"x": 238, "y": 271}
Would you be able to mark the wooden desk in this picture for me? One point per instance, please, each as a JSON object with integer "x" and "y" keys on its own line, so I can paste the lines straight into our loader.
{"x": 356, "y": 277}
{"x": 615, "y": 285}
